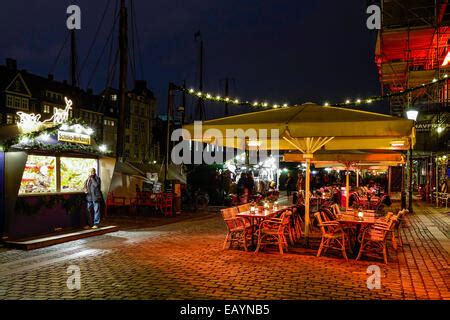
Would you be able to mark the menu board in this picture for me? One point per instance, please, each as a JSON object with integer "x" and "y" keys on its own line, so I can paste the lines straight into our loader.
{"x": 74, "y": 172}
{"x": 39, "y": 175}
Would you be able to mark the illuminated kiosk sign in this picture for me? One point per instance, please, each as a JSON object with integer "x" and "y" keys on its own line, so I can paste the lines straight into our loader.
{"x": 74, "y": 137}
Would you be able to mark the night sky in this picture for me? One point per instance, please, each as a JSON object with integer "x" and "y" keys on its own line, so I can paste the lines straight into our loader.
{"x": 283, "y": 51}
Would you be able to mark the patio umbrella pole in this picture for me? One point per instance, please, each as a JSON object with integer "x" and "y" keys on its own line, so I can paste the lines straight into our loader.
{"x": 347, "y": 189}
{"x": 357, "y": 178}
{"x": 307, "y": 193}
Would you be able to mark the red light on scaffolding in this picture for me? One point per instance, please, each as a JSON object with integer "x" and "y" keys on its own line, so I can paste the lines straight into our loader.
{"x": 446, "y": 60}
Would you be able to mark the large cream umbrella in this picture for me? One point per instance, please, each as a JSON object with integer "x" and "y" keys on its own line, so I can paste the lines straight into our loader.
{"x": 308, "y": 128}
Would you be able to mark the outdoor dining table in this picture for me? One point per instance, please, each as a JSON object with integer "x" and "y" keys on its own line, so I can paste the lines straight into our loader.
{"x": 350, "y": 219}
{"x": 255, "y": 218}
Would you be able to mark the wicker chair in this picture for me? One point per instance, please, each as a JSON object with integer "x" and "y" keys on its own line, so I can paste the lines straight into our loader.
{"x": 298, "y": 223}
{"x": 333, "y": 236}
{"x": 244, "y": 207}
{"x": 396, "y": 232}
{"x": 336, "y": 210}
{"x": 273, "y": 232}
{"x": 374, "y": 239}
{"x": 238, "y": 230}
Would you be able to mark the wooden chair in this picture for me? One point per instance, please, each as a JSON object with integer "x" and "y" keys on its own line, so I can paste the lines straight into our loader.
{"x": 273, "y": 232}
{"x": 396, "y": 232}
{"x": 333, "y": 236}
{"x": 443, "y": 198}
{"x": 237, "y": 231}
{"x": 374, "y": 239}
{"x": 298, "y": 223}
{"x": 336, "y": 210}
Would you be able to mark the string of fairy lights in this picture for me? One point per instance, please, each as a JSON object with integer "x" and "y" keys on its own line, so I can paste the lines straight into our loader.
{"x": 265, "y": 104}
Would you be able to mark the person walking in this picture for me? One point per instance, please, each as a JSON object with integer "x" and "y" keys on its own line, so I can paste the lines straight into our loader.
{"x": 92, "y": 188}
{"x": 289, "y": 184}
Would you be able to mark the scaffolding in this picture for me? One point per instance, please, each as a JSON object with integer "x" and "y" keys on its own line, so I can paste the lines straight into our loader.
{"x": 411, "y": 48}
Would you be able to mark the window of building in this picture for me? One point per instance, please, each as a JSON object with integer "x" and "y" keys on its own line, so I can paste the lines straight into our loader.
{"x": 10, "y": 101}
{"x": 114, "y": 97}
{"x": 17, "y": 102}
{"x": 9, "y": 118}
{"x": 46, "y": 109}
{"x": 24, "y": 103}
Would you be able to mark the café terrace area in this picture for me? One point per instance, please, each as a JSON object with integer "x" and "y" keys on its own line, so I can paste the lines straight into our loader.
{"x": 185, "y": 260}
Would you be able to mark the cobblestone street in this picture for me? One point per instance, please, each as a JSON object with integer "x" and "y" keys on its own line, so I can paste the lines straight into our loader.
{"x": 185, "y": 260}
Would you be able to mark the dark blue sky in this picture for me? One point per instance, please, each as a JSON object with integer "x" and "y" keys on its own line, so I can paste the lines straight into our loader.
{"x": 284, "y": 51}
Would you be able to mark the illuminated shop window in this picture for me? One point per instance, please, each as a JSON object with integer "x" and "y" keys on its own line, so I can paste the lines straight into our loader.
{"x": 74, "y": 172}
{"x": 39, "y": 175}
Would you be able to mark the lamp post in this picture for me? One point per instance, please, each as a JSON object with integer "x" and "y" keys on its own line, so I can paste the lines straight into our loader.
{"x": 411, "y": 114}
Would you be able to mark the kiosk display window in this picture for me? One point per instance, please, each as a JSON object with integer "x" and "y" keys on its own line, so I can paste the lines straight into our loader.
{"x": 39, "y": 175}
{"x": 47, "y": 174}
{"x": 74, "y": 172}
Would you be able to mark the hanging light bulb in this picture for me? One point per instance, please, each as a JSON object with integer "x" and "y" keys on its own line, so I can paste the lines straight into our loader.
{"x": 275, "y": 106}
{"x": 285, "y": 105}
{"x": 191, "y": 90}
{"x": 358, "y": 101}
{"x": 236, "y": 101}
{"x": 347, "y": 101}
{"x": 208, "y": 96}
{"x": 369, "y": 101}
{"x": 255, "y": 103}
{"x": 326, "y": 104}
{"x": 218, "y": 97}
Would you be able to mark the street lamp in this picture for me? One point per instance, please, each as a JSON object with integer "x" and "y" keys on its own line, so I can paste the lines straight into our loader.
{"x": 411, "y": 114}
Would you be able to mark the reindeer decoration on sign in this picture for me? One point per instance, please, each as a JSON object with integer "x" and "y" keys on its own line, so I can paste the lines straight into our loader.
{"x": 61, "y": 115}
{"x": 30, "y": 122}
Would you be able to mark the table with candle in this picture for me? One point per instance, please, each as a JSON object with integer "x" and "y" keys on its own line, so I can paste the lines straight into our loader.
{"x": 255, "y": 216}
{"x": 356, "y": 221}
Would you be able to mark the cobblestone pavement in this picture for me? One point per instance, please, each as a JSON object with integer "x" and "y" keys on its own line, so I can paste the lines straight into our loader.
{"x": 184, "y": 260}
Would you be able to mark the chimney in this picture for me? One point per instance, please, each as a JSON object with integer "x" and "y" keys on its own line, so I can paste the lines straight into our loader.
{"x": 11, "y": 64}
{"x": 51, "y": 77}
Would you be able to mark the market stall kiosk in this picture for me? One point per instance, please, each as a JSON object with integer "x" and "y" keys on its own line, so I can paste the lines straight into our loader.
{"x": 43, "y": 167}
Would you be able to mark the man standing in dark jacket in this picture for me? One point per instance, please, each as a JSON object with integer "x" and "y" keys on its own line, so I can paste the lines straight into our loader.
{"x": 92, "y": 188}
